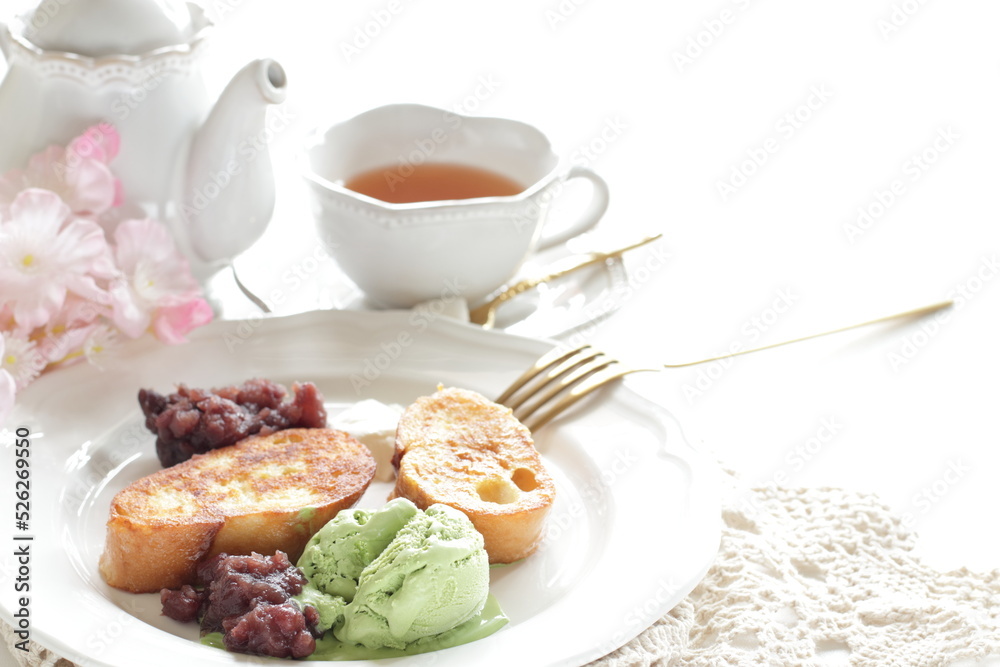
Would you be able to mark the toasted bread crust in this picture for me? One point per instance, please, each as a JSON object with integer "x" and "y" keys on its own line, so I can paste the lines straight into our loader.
{"x": 458, "y": 448}
{"x": 262, "y": 494}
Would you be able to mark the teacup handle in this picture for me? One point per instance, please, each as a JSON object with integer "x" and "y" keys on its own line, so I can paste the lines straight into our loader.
{"x": 591, "y": 216}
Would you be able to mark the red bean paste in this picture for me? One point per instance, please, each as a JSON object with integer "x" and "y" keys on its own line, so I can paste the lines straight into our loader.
{"x": 248, "y": 599}
{"x": 194, "y": 421}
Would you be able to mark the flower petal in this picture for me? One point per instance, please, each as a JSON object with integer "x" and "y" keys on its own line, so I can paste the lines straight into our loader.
{"x": 55, "y": 348}
{"x": 35, "y": 310}
{"x": 98, "y": 142}
{"x": 81, "y": 247}
{"x": 172, "y": 323}
{"x": 11, "y": 184}
{"x": 77, "y": 311}
{"x": 42, "y": 211}
{"x": 94, "y": 188}
{"x": 7, "y": 392}
{"x": 138, "y": 240}
{"x": 46, "y": 170}
{"x": 158, "y": 272}
{"x": 126, "y": 312}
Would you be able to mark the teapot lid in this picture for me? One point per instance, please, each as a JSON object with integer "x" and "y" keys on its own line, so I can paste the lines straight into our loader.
{"x": 98, "y": 28}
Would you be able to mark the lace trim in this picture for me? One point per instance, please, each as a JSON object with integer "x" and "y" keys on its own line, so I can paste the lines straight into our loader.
{"x": 819, "y": 577}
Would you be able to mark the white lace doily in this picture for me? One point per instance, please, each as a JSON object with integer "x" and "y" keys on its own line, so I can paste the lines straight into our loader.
{"x": 807, "y": 578}
{"x": 819, "y": 577}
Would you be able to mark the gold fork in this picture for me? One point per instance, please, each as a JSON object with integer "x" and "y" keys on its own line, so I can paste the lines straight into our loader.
{"x": 562, "y": 377}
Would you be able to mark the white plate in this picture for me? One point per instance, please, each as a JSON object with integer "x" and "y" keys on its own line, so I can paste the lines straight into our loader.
{"x": 634, "y": 528}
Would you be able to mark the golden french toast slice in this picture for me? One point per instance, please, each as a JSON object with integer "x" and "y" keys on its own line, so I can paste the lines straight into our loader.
{"x": 458, "y": 448}
{"x": 262, "y": 494}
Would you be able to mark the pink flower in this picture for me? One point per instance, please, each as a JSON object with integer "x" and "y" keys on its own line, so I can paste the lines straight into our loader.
{"x": 66, "y": 333}
{"x": 156, "y": 288}
{"x": 67, "y": 294}
{"x": 101, "y": 339}
{"x": 8, "y": 386}
{"x": 20, "y": 360}
{"x": 45, "y": 253}
{"x": 79, "y": 173}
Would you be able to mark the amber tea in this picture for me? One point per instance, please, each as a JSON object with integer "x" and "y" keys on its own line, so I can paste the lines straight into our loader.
{"x": 431, "y": 182}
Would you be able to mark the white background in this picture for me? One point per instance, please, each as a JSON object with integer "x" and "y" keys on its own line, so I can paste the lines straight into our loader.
{"x": 914, "y": 406}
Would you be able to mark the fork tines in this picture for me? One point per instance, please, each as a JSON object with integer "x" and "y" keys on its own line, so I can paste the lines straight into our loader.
{"x": 566, "y": 375}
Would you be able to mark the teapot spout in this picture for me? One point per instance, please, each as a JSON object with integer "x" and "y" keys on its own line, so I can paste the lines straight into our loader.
{"x": 5, "y": 41}
{"x": 229, "y": 183}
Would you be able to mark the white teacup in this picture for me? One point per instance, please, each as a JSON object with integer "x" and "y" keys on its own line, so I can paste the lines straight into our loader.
{"x": 403, "y": 254}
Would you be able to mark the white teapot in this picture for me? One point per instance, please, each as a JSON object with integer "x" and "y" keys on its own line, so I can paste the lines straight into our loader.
{"x": 136, "y": 64}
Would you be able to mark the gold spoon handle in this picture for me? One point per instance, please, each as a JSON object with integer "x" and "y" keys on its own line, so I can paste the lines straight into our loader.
{"x": 569, "y": 267}
{"x": 916, "y": 312}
